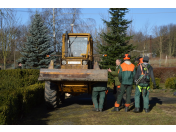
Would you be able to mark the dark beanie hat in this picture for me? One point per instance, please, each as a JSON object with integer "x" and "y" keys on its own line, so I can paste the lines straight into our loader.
{"x": 145, "y": 59}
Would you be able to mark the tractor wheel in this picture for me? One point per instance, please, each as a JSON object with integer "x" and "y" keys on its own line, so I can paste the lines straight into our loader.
{"x": 51, "y": 95}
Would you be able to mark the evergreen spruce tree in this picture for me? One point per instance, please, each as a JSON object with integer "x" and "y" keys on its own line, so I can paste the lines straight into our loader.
{"x": 116, "y": 39}
{"x": 38, "y": 45}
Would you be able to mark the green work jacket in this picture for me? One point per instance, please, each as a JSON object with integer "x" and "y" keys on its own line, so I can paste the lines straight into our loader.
{"x": 115, "y": 74}
{"x": 18, "y": 67}
{"x": 127, "y": 73}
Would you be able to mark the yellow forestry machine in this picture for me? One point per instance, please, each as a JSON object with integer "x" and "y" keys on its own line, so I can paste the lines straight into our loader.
{"x": 78, "y": 72}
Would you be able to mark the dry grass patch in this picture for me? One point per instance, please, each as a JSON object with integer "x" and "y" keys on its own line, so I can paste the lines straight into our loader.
{"x": 155, "y": 117}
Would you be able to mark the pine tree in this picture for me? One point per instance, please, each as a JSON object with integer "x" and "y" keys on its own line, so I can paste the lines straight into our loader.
{"x": 37, "y": 46}
{"x": 116, "y": 40}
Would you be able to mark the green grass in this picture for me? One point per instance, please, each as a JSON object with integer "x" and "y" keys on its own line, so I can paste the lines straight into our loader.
{"x": 82, "y": 114}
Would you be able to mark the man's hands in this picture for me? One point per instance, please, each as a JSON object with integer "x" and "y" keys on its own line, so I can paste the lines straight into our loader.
{"x": 109, "y": 70}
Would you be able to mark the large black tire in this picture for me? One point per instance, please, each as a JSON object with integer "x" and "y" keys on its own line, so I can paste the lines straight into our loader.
{"x": 51, "y": 95}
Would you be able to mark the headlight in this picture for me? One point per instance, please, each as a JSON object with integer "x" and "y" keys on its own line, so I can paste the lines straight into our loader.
{"x": 63, "y": 62}
{"x": 84, "y": 62}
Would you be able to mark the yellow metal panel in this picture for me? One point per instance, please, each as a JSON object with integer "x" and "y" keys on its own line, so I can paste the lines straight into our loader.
{"x": 74, "y": 57}
{"x": 74, "y": 90}
{"x": 78, "y": 34}
{"x": 74, "y": 83}
{"x": 74, "y": 66}
{"x": 60, "y": 73}
{"x": 82, "y": 54}
{"x": 75, "y": 87}
{"x": 88, "y": 47}
{"x": 63, "y": 46}
{"x": 91, "y": 50}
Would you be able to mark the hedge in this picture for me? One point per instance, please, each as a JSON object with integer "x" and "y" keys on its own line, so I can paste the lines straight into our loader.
{"x": 11, "y": 79}
{"x": 164, "y": 73}
{"x": 19, "y": 101}
{"x": 20, "y": 90}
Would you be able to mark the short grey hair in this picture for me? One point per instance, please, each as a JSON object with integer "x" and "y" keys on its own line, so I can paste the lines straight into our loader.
{"x": 119, "y": 60}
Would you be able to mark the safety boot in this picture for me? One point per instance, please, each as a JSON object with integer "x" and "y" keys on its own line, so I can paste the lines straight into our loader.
{"x": 115, "y": 109}
{"x": 95, "y": 109}
{"x": 146, "y": 110}
{"x": 126, "y": 109}
{"x": 136, "y": 110}
{"x": 101, "y": 110}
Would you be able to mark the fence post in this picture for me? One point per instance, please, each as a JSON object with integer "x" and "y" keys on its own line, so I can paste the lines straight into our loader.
{"x": 159, "y": 62}
{"x": 166, "y": 60}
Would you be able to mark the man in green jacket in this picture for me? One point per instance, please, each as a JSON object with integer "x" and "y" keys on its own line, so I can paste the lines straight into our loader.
{"x": 19, "y": 65}
{"x": 99, "y": 89}
{"x": 117, "y": 84}
{"x": 126, "y": 78}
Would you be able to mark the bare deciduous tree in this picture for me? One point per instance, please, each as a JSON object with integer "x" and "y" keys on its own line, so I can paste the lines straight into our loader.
{"x": 160, "y": 33}
{"x": 172, "y": 39}
{"x": 63, "y": 18}
{"x": 6, "y": 33}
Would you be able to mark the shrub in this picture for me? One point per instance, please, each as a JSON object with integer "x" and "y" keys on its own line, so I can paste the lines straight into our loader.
{"x": 157, "y": 80}
{"x": 171, "y": 83}
{"x": 19, "y": 101}
{"x": 11, "y": 79}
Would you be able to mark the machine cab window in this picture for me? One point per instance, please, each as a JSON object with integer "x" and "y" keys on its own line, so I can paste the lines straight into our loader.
{"x": 78, "y": 46}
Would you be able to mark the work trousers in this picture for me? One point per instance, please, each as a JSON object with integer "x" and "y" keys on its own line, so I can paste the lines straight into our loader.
{"x": 124, "y": 88}
{"x": 101, "y": 98}
{"x": 145, "y": 97}
{"x": 116, "y": 93}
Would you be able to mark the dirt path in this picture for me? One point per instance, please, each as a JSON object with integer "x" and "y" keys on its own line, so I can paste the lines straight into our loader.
{"x": 78, "y": 110}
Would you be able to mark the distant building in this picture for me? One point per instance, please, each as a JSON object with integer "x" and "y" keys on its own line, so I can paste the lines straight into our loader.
{"x": 148, "y": 54}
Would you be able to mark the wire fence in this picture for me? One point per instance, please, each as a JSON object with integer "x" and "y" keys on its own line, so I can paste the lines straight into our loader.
{"x": 155, "y": 62}
{"x": 163, "y": 62}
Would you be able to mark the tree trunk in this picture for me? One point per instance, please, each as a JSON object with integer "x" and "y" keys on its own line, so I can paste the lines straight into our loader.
{"x": 170, "y": 46}
{"x": 173, "y": 47}
{"x": 160, "y": 47}
{"x": 14, "y": 54}
{"x": 4, "y": 62}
